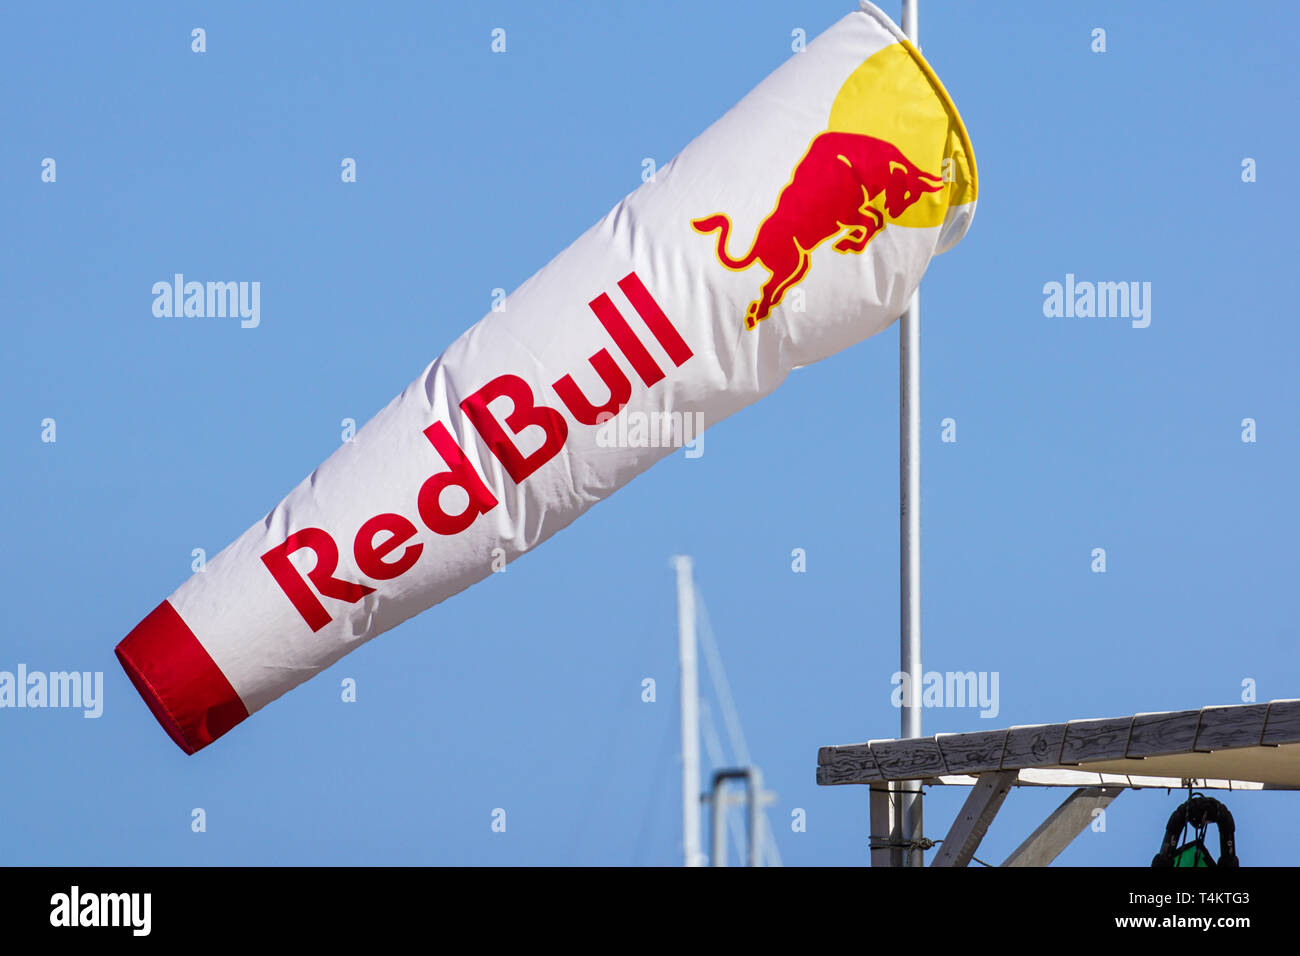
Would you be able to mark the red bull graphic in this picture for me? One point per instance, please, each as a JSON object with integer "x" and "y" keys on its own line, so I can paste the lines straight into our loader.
{"x": 527, "y": 420}
{"x": 833, "y": 191}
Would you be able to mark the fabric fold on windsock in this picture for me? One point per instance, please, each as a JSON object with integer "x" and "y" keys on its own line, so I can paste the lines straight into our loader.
{"x": 797, "y": 225}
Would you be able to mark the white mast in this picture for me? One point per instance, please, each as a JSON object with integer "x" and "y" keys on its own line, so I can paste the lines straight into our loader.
{"x": 909, "y": 413}
{"x": 690, "y": 697}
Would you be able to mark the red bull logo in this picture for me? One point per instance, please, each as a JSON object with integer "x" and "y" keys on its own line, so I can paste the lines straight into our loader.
{"x": 846, "y": 187}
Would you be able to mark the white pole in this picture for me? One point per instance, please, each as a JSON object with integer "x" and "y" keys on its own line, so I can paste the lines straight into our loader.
{"x": 755, "y": 798}
{"x": 690, "y": 694}
{"x": 909, "y": 412}
{"x": 910, "y": 25}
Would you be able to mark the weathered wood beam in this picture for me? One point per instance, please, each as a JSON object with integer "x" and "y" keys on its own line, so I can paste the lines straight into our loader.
{"x": 981, "y": 806}
{"x": 1059, "y": 830}
{"x": 1119, "y": 739}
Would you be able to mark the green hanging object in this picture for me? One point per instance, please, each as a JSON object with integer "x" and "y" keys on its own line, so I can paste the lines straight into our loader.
{"x": 1198, "y": 812}
{"x": 1193, "y": 854}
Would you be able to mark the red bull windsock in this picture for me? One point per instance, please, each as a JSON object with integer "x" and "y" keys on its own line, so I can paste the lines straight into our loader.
{"x": 798, "y": 224}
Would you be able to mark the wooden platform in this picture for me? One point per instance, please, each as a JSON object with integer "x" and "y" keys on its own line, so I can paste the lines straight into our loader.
{"x": 1246, "y": 746}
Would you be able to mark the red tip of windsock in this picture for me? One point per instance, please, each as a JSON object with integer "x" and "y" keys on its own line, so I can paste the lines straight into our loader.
{"x": 178, "y": 680}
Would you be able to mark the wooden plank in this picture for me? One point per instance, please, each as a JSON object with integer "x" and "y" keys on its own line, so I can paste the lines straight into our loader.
{"x": 1154, "y": 735}
{"x": 1033, "y": 746}
{"x": 1095, "y": 740}
{"x": 852, "y": 764}
{"x": 1223, "y": 728}
{"x": 1045, "y": 777}
{"x": 1079, "y": 742}
{"x": 908, "y": 759}
{"x": 972, "y": 822}
{"x": 1283, "y": 723}
{"x": 886, "y": 828}
{"x": 976, "y": 752}
{"x": 1059, "y": 830}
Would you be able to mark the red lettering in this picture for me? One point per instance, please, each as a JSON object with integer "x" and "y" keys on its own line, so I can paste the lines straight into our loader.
{"x": 296, "y": 589}
{"x": 620, "y": 390}
{"x": 462, "y": 475}
{"x": 525, "y": 413}
{"x": 653, "y": 316}
{"x": 626, "y": 339}
{"x": 377, "y": 542}
{"x": 370, "y": 557}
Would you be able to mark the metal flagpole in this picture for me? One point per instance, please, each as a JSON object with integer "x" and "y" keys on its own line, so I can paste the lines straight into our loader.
{"x": 909, "y": 413}
{"x": 690, "y": 695}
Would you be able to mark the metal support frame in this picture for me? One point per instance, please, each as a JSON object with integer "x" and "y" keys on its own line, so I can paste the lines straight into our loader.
{"x": 717, "y": 798}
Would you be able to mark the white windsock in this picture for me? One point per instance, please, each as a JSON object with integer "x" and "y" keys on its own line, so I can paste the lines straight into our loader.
{"x": 798, "y": 224}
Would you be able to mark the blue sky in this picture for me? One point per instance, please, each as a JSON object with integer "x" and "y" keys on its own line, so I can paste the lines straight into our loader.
{"x": 524, "y": 692}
